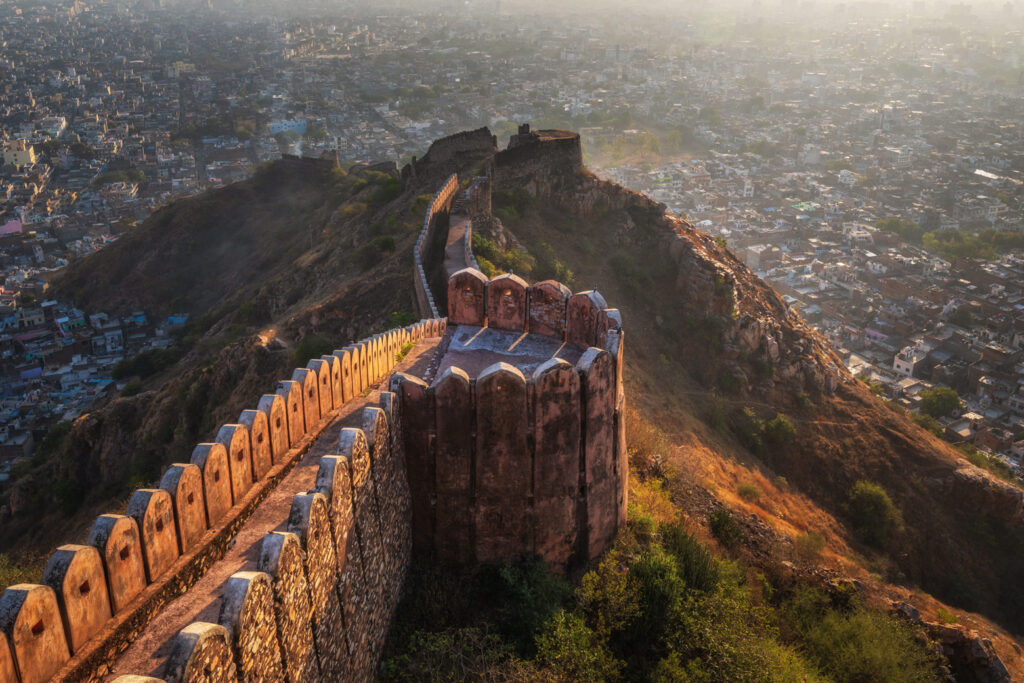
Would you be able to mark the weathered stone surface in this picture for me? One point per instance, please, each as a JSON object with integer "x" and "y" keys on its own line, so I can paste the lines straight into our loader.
{"x": 378, "y": 443}
{"x": 400, "y": 506}
{"x": 582, "y": 318}
{"x": 273, "y": 407}
{"x": 356, "y": 354}
{"x": 615, "y": 345}
{"x": 201, "y": 654}
{"x": 212, "y": 461}
{"x": 132, "y": 678}
{"x": 347, "y": 388}
{"x": 116, "y": 537}
{"x": 8, "y": 673}
{"x": 307, "y": 379}
{"x": 597, "y": 372}
{"x": 153, "y": 511}
{"x": 235, "y": 439}
{"x": 247, "y": 613}
{"x": 291, "y": 393}
{"x": 364, "y": 364}
{"x": 337, "y": 394}
{"x": 260, "y": 449}
{"x": 506, "y": 303}
{"x": 281, "y": 557}
{"x": 30, "y": 618}
{"x": 503, "y": 472}
{"x": 455, "y": 415}
{"x": 556, "y": 425}
{"x": 75, "y": 573}
{"x": 549, "y": 301}
{"x": 418, "y": 432}
{"x": 466, "y": 297}
{"x": 309, "y": 520}
{"x": 334, "y": 481}
{"x": 184, "y": 483}
{"x": 352, "y": 445}
{"x": 325, "y": 389}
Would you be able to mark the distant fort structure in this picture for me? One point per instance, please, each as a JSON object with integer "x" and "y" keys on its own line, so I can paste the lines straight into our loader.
{"x": 507, "y": 439}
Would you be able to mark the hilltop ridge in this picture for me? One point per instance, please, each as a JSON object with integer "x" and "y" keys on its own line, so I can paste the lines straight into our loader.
{"x": 713, "y": 354}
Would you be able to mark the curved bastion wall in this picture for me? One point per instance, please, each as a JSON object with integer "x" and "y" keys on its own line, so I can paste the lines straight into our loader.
{"x": 521, "y": 450}
{"x": 96, "y": 598}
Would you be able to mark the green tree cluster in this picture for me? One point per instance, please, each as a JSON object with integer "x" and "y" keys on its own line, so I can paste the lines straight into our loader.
{"x": 940, "y": 401}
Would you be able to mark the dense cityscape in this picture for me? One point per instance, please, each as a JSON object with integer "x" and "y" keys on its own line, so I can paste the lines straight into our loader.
{"x": 872, "y": 174}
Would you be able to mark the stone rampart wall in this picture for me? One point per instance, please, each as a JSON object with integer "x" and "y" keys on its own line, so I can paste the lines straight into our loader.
{"x": 507, "y": 464}
{"x": 97, "y": 598}
{"x": 439, "y": 205}
{"x": 547, "y": 308}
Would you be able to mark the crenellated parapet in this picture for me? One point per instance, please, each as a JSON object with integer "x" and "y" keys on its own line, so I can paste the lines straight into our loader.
{"x": 437, "y": 212}
{"x": 97, "y": 598}
{"x": 518, "y": 445}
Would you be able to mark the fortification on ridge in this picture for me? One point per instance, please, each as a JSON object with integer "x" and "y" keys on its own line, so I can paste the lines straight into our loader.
{"x": 511, "y": 442}
{"x": 518, "y": 445}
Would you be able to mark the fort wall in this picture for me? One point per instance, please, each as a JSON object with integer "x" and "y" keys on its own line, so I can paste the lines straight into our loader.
{"x": 319, "y": 607}
{"x": 97, "y": 598}
{"x": 437, "y": 213}
{"x": 512, "y": 462}
{"x": 477, "y": 470}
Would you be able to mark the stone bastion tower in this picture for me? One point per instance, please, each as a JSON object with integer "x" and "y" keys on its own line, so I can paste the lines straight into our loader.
{"x": 514, "y": 439}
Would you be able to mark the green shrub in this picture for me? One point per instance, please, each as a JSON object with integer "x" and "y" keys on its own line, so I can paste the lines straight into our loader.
{"x": 312, "y": 346}
{"x": 12, "y": 573}
{"x": 131, "y": 389}
{"x": 748, "y": 492}
{"x": 779, "y": 431}
{"x": 404, "y": 351}
{"x": 606, "y": 596}
{"x": 876, "y": 519}
{"x": 945, "y": 616}
{"x": 693, "y": 561}
{"x": 927, "y": 422}
{"x": 940, "y": 401}
{"x": 808, "y": 546}
{"x": 725, "y": 529}
{"x": 528, "y": 594}
{"x": 401, "y": 319}
{"x": 384, "y": 243}
{"x": 571, "y": 651}
{"x": 868, "y": 646}
{"x": 367, "y": 256}
{"x": 486, "y": 267}
{"x": 749, "y": 429}
{"x": 456, "y": 655}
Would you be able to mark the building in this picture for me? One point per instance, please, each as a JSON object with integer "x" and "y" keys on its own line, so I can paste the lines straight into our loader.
{"x": 19, "y": 153}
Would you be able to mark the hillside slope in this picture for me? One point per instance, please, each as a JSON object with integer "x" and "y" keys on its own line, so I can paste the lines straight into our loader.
{"x": 290, "y": 264}
{"x": 303, "y": 256}
{"x": 707, "y": 338}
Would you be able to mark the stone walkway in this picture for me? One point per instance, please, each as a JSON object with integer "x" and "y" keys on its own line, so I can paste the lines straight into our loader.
{"x": 454, "y": 250}
{"x": 201, "y": 602}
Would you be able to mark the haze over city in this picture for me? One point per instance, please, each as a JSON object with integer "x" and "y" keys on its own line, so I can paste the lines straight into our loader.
{"x": 792, "y": 232}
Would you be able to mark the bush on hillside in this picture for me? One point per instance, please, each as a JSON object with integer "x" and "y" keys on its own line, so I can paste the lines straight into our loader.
{"x": 876, "y": 519}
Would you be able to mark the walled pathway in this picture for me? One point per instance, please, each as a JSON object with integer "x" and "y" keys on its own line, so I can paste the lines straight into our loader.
{"x": 201, "y": 602}
{"x": 454, "y": 248}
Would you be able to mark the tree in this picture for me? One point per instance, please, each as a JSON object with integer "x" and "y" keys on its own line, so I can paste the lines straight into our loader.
{"x": 940, "y": 401}
{"x": 876, "y": 519}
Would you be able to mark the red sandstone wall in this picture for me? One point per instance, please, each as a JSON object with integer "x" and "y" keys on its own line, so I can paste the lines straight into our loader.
{"x": 506, "y": 464}
{"x": 353, "y": 553}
